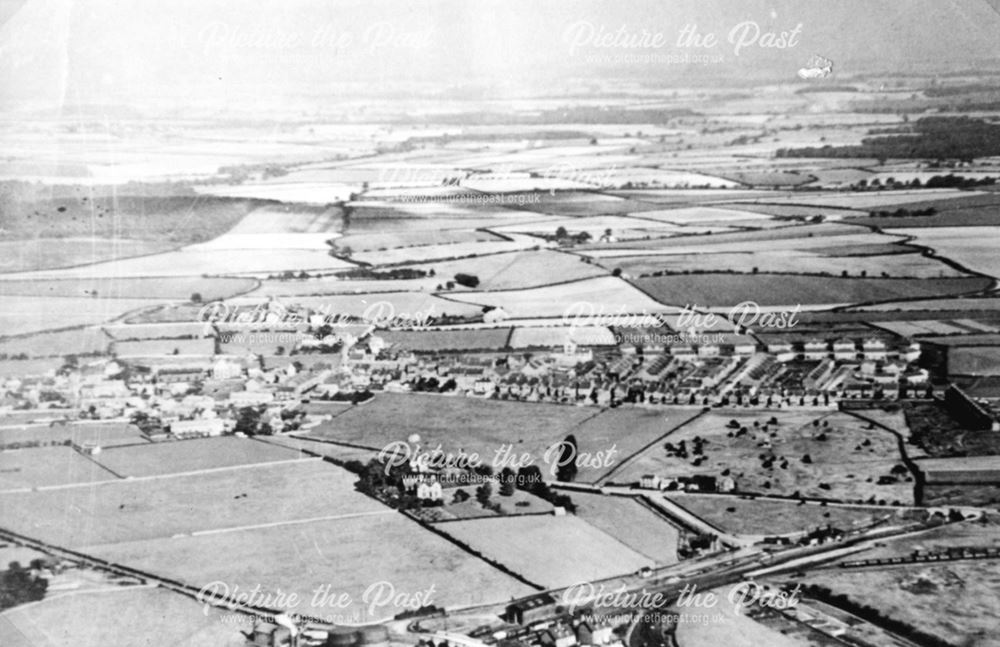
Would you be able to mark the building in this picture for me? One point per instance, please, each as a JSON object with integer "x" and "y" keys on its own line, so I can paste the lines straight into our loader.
{"x": 559, "y": 636}
{"x": 815, "y": 349}
{"x": 199, "y": 427}
{"x": 593, "y": 631}
{"x": 530, "y": 609}
{"x": 650, "y": 482}
{"x": 967, "y": 411}
{"x": 874, "y": 349}
{"x": 845, "y": 349}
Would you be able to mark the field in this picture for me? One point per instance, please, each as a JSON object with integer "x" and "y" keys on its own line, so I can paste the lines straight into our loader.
{"x": 103, "y": 434}
{"x": 723, "y": 625}
{"x": 605, "y": 296}
{"x": 517, "y": 269}
{"x": 119, "y": 616}
{"x": 621, "y": 227}
{"x": 432, "y": 341}
{"x": 871, "y": 199}
{"x": 26, "y": 314}
{"x": 741, "y": 516}
{"x": 57, "y": 344}
{"x": 382, "y": 308}
{"x": 46, "y": 467}
{"x": 486, "y": 427}
{"x": 892, "y": 264}
{"x": 304, "y": 557}
{"x": 163, "y": 347}
{"x": 847, "y": 459}
{"x": 970, "y": 247}
{"x": 953, "y": 601}
{"x": 190, "y": 455}
{"x": 556, "y": 336}
{"x": 631, "y": 523}
{"x": 446, "y": 251}
{"x": 549, "y": 550}
{"x": 421, "y": 238}
{"x": 50, "y": 253}
{"x": 122, "y": 287}
{"x": 198, "y": 504}
{"x": 784, "y": 289}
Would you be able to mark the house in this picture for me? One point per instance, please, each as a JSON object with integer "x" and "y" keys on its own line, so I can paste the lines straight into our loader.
{"x": 559, "y": 636}
{"x": 429, "y": 490}
{"x": 226, "y": 369}
{"x": 530, "y": 609}
{"x": 873, "y": 349}
{"x": 198, "y": 427}
{"x": 815, "y": 349}
{"x": 650, "y": 482}
{"x": 595, "y": 631}
{"x": 495, "y": 315}
{"x": 709, "y": 350}
{"x": 845, "y": 349}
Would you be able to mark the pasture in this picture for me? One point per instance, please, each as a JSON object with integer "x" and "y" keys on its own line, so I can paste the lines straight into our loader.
{"x": 549, "y": 550}
{"x": 47, "y": 467}
{"x": 182, "y": 456}
{"x": 630, "y": 522}
{"x": 513, "y": 270}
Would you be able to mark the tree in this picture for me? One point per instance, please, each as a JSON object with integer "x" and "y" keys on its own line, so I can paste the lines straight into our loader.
{"x": 566, "y": 468}
{"x": 561, "y": 232}
{"x": 483, "y": 494}
{"x": 460, "y": 496}
{"x": 507, "y": 477}
{"x": 196, "y": 297}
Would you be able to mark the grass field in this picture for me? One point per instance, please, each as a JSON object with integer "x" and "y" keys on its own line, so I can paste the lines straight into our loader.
{"x": 843, "y": 462}
{"x": 784, "y": 289}
{"x": 895, "y": 265}
{"x": 57, "y": 344}
{"x": 381, "y": 242}
{"x": 445, "y": 251}
{"x": 119, "y": 287}
{"x": 722, "y": 625}
{"x": 47, "y": 466}
{"x": 337, "y": 554}
{"x": 190, "y": 455}
{"x": 517, "y": 269}
{"x": 631, "y": 523}
{"x": 432, "y": 341}
{"x": 163, "y": 347}
{"x": 556, "y": 336}
{"x": 741, "y": 516}
{"x": 133, "y": 510}
{"x": 604, "y": 296}
{"x": 488, "y": 426}
{"x": 50, "y": 253}
{"x": 952, "y": 601}
{"x": 552, "y": 551}
{"x": 971, "y": 247}
{"x": 119, "y": 616}
{"x": 104, "y": 434}
{"x": 26, "y": 314}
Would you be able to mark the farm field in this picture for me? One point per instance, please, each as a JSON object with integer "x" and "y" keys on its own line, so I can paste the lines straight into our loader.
{"x": 549, "y": 550}
{"x": 846, "y": 458}
{"x": 27, "y": 314}
{"x": 333, "y": 285}
{"x": 433, "y": 341}
{"x": 377, "y": 242}
{"x": 103, "y": 434}
{"x": 741, "y": 516}
{"x": 732, "y": 629}
{"x": 691, "y": 196}
{"x": 518, "y": 503}
{"x": 967, "y": 305}
{"x": 579, "y": 203}
{"x": 911, "y": 265}
{"x": 163, "y": 347}
{"x": 51, "y": 253}
{"x": 46, "y": 467}
{"x": 557, "y": 336}
{"x": 698, "y": 215}
{"x": 730, "y": 289}
{"x": 126, "y": 332}
{"x": 120, "y": 287}
{"x": 21, "y": 367}
{"x": 621, "y": 227}
{"x": 953, "y": 601}
{"x": 383, "y": 308}
{"x": 446, "y": 251}
{"x": 604, "y": 296}
{"x": 57, "y": 344}
{"x": 970, "y": 247}
{"x": 795, "y": 210}
{"x": 871, "y": 199}
{"x": 122, "y": 615}
{"x": 181, "y": 456}
{"x": 298, "y": 193}
{"x": 132, "y": 510}
{"x": 304, "y": 557}
{"x": 631, "y": 523}
{"x": 485, "y": 427}
{"x": 515, "y": 270}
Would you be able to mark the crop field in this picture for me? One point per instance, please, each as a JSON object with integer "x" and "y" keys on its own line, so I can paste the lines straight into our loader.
{"x": 691, "y": 196}
{"x": 304, "y": 557}
{"x": 605, "y": 295}
{"x": 730, "y": 289}
{"x": 119, "y": 616}
{"x": 911, "y": 265}
{"x": 163, "y": 347}
{"x": 845, "y": 459}
{"x": 953, "y": 601}
{"x": 57, "y": 344}
{"x": 26, "y": 314}
{"x": 741, "y": 516}
{"x": 796, "y": 210}
{"x": 50, "y": 253}
{"x": 333, "y": 285}
{"x": 47, "y": 466}
{"x": 515, "y": 270}
{"x": 448, "y": 251}
{"x": 556, "y": 336}
{"x": 970, "y": 247}
{"x": 631, "y": 523}
{"x": 871, "y": 199}
{"x": 549, "y": 550}
{"x": 130, "y": 288}
{"x": 288, "y": 219}
{"x": 699, "y": 215}
{"x": 103, "y": 434}
{"x": 181, "y": 456}
{"x": 420, "y": 238}
{"x": 964, "y": 305}
{"x": 574, "y": 203}
{"x": 133, "y": 510}
{"x": 382, "y": 307}
{"x": 504, "y": 183}
{"x": 433, "y": 341}
{"x": 124, "y": 332}
{"x": 21, "y": 367}
{"x": 621, "y": 227}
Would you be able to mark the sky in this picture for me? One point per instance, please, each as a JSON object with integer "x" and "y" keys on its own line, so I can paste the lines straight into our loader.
{"x": 65, "y": 52}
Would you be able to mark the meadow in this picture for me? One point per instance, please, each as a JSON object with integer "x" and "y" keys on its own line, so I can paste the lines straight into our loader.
{"x": 182, "y": 456}
{"x": 630, "y": 522}
{"x": 47, "y": 467}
